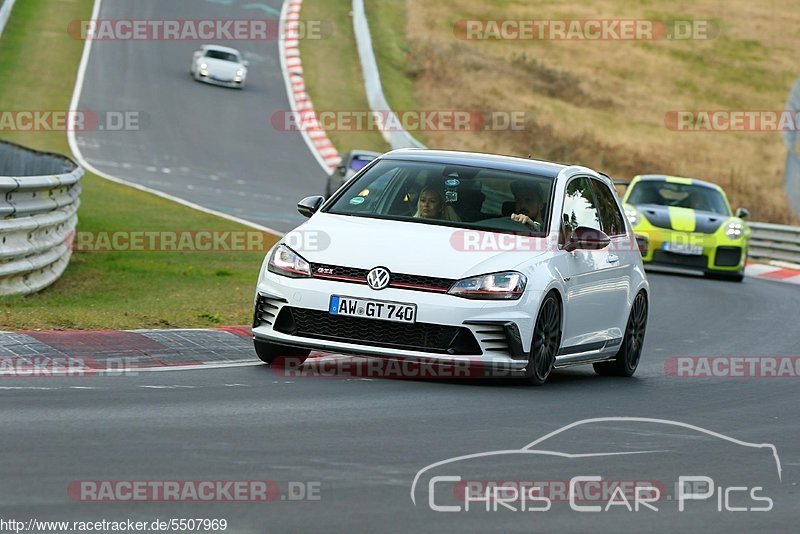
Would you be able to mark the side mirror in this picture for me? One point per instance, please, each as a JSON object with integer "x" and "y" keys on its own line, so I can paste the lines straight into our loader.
{"x": 309, "y": 205}
{"x": 583, "y": 238}
{"x": 246, "y": 63}
{"x": 742, "y": 213}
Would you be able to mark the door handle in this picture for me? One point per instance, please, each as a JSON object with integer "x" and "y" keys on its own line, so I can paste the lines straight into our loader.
{"x": 613, "y": 258}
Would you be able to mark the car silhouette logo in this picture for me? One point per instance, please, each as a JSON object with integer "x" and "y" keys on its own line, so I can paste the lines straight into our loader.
{"x": 378, "y": 278}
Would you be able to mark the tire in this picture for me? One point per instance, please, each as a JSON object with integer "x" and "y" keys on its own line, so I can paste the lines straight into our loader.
{"x": 629, "y": 354}
{"x": 546, "y": 341}
{"x": 274, "y": 353}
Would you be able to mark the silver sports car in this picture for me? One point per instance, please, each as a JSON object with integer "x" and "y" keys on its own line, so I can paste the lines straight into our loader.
{"x": 219, "y": 65}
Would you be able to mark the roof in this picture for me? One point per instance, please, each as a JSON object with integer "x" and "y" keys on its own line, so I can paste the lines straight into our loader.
{"x": 477, "y": 159}
{"x": 220, "y": 48}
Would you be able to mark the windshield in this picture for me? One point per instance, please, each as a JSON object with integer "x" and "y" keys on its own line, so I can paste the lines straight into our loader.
{"x": 671, "y": 194}
{"x": 449, "y": 195}
{"x": 225, "y": 56}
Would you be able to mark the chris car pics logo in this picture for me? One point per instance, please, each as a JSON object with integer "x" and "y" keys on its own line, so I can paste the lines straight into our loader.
{"x": 567, "y": 474}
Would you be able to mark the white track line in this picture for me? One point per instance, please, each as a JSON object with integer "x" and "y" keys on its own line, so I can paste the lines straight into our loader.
{"x": 214, "y": 365}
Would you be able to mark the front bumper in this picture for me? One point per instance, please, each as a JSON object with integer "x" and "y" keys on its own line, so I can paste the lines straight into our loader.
{"x": 294, "y": 312}
{"x": 719, "y": 253}
{"x": 238, "y": 84}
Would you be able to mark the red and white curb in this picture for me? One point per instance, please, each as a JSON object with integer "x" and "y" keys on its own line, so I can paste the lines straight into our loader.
{"x": 312, "y": 131}
{"x": 38, "y": 353}
{"x": 773, "y": 272}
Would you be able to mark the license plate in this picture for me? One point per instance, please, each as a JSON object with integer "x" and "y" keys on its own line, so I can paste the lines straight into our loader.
{"x": 373, "y": 309}
{"x": 683, "y": 248}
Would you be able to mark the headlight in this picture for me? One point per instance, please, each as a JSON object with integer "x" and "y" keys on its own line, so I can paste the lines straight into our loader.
{"x": 632, "y": 215}
{"x": 734, "y": 230}
{"x": 286, "y": 262}
{"x": 496, "y": 286}
{"x": 240, "y": 72}
{"x": 204, "y": 66}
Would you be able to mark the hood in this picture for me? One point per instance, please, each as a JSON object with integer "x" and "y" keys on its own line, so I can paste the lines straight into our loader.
{"x": 220, "y": 67}
{"x": 682, "y": 219}
{"x": 409, "y": 247}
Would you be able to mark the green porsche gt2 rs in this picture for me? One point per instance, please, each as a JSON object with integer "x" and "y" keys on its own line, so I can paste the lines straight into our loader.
{"x": 688, "y": 224}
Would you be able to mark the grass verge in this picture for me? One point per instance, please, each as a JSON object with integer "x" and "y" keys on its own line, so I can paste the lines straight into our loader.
{"x": 603, "y": 103}
{"x": 397, "y": 62}
{"x": 332, "y": 72}
{"x": 597, "y": 103}
{"x": 112, "y": 289}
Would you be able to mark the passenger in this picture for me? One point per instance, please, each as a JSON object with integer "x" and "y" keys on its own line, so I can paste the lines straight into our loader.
{"x": 431, "y": 205}
{"x": 529, "y": 205}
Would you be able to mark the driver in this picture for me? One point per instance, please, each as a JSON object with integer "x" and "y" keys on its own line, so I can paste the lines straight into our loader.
{"x": 529, "y": 206}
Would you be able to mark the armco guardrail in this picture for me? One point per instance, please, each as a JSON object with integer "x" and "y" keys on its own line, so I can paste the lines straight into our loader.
{"x": 774, "y": 242}
{"x": 39, "y": 199}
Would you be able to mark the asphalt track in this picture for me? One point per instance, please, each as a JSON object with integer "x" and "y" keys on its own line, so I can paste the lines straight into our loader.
{"x": 363, "y": 440}
{"x": 210, "y": 145}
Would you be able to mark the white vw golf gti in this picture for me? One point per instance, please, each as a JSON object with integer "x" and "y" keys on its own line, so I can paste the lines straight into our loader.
{"x": 463, "y": 259}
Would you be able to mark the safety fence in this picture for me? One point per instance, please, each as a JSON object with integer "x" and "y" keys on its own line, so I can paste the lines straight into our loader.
{"x": 775, "y": 242}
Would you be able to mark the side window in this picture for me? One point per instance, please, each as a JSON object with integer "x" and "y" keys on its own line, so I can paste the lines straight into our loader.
{"x": 610, "y": 217}
{"x": 579, "y": 207}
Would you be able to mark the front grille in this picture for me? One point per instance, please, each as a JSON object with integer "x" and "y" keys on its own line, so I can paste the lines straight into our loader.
{"x": 265, "y": 310}
{"x": 728, "y": 256}
{"x": 417, "y": 336}
{"x": 680, "y": 260}
{"x": 320, "y": 270}
{"x": 397, "y": 280}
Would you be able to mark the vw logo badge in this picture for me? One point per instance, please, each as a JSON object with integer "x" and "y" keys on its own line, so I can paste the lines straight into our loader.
{"x": 378, "y": 278}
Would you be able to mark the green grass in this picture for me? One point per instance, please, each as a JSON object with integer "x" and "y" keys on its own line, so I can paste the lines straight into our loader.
{"x": 112, "y": 289}
{"x": 332, "y": 72}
